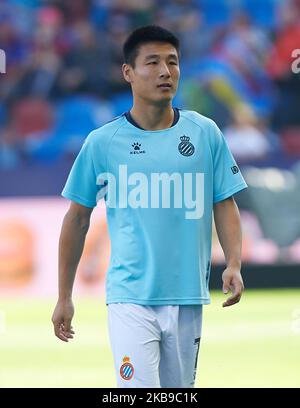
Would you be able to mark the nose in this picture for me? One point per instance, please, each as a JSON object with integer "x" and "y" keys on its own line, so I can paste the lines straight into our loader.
{"x": 164, "y": 71}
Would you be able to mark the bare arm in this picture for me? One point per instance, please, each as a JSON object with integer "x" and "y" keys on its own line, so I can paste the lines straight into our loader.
{"x": 228, "y": 226}
{"x": 74, "y": 229}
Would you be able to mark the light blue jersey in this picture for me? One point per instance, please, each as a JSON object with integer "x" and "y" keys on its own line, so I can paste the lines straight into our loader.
{"x": 159, "y": 189}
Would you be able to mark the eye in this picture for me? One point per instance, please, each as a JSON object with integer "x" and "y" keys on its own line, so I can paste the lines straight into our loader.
{"x": 152, "y": 62}
{"x": 173, "y": 62}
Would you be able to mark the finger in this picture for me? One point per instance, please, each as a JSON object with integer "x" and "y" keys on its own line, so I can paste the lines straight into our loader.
{"x": 226, "y": 287}
{"x": 68, "y": 336}
{"x": 56, "y": 328}
{"x": 66, "y": 333}
{"x": 67, "y": 324}
{"x": 232, "y": 300}
{"x": 58, "y": 332}
{"x": 71, "y": 327}
{"x": 236, "y": 293}
{"x": 63, "y": 335}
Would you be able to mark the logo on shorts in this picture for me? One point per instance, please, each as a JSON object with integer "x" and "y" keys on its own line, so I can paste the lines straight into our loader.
{"x": 126, "y": 369}
{"x": 185, "y": 147}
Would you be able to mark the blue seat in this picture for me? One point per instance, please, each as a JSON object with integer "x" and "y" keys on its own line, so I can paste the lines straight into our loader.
{"x": 3, "y": 114}
{"x": 216, "y": 12}
{"x": 76, "y": 117}
{"x": 262, "y": 13}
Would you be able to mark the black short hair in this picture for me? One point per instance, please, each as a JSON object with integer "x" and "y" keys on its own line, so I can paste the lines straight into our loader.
{"x": 146, "y": 34}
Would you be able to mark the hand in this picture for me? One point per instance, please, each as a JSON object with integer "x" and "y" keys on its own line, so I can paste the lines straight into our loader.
{"x": 233, "y": 281}
{"x": 61, "y": 319}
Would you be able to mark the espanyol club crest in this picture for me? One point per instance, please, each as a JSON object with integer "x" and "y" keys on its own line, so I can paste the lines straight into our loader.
{"x": 185, "y": 147}
{"x": 126, "y": 369}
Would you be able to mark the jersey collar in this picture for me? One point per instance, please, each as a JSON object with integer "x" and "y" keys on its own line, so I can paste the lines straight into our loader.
{"x": 133, "y": 122}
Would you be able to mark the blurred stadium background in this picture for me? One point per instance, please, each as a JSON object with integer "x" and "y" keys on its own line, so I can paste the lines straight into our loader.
{"x": 63, "y": 79}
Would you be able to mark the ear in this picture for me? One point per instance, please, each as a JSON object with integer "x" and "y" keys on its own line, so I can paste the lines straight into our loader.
{"x": 127, "y": 70}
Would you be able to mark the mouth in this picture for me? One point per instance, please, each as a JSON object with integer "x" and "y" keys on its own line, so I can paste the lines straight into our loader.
{"x": 165, "y": 85}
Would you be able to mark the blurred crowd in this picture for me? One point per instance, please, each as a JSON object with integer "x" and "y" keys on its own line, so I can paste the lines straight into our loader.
{"x": 63, "y": 71}
{"x": 63, "y": 78}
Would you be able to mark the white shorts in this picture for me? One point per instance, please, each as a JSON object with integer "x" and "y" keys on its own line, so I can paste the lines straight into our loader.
{"x": 155, "y": 346}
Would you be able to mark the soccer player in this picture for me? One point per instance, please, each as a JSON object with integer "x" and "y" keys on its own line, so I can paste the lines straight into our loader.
{"x": 162, "y": 172}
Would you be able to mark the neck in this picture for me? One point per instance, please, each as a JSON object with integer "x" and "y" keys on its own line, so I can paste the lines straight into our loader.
{"x": 152, "y": 117}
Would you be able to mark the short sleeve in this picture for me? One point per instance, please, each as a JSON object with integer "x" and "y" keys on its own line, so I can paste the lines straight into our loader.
{"x": 228, "y": 179}
{"x": 81, "y": 185}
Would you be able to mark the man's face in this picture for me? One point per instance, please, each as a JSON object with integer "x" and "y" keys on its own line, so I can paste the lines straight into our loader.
{"x": 156, "y": 73}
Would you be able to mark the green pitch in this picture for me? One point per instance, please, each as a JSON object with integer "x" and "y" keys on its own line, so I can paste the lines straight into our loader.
{"x": 253, "y": 344}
